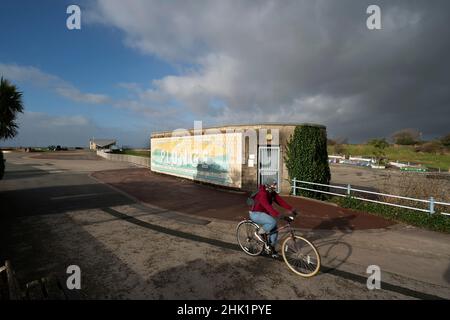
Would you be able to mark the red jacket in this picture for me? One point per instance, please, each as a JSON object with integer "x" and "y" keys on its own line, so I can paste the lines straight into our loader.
{"x": 263, "y": 202}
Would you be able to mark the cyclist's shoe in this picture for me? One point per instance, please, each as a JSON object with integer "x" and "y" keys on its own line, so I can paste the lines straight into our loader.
{"x": 273, "y": 253}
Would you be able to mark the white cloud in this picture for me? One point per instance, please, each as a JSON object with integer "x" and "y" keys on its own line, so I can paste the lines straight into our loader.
{"x": 68, "y": 121}
{"x": 37, "y": 77}
{"x": 141, "y": 102}
{"x": 74, "y": 94}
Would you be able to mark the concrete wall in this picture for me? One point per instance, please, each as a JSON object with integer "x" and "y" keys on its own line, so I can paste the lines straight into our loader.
{"x": 140, "y": 161}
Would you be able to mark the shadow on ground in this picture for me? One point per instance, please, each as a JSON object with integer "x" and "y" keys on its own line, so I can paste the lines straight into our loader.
{"x": 59, "y": 199}
{"x": 447, "y": 275}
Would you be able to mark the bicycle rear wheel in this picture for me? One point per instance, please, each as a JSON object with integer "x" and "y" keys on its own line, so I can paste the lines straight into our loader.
{"x": 245, "y": 234}
{"x": 301, "y": 256}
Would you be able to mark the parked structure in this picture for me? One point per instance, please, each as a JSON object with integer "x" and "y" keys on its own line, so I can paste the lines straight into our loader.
{"x": 236, "y": 156}
{"x": 100, "y": 144}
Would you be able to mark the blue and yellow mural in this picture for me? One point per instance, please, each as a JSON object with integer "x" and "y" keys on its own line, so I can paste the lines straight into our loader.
{"x": 212, "y": 158}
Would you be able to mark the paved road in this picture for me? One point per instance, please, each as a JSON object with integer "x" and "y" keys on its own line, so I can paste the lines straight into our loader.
{"x": 56, "y": 216}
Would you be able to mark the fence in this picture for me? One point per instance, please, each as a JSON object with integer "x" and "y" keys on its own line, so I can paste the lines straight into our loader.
{"x": 140, "y": 161}
{"x": 431, "y": 203}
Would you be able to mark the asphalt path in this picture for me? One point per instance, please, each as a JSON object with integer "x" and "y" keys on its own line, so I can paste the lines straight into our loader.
{"x": 54, "y": 214}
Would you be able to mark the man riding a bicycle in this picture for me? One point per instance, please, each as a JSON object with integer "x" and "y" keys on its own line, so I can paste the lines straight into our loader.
{"x": 263, "y": 213}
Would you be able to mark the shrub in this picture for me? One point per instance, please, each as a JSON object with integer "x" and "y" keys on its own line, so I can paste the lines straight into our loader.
{"x": 445, "y": 140}
{"x": 378, "y": 143}
{"x": 406, "y": 137}
{"x": 379, "y": 146}
{"x": 340, "y": 149}
{"x": 307, "y": 157}
{"x": 435, "y": 222}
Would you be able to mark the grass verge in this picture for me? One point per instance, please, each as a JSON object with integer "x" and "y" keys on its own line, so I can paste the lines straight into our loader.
{"x": 434, "y": 222}
{"x": 138, "y": 153}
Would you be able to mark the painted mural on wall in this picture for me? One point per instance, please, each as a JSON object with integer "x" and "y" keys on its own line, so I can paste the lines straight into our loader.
{"x": 212, "y": 158}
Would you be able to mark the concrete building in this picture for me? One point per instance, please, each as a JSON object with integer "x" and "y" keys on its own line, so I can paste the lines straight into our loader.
{"x": 236, "y": 156}
{"x": 99, "y": 144}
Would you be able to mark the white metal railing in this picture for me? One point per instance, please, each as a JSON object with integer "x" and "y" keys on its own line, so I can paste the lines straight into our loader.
{"x": 348, "y": 193}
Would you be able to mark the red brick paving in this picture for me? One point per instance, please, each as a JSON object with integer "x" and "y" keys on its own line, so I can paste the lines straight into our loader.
{"x": 202, "y": 200}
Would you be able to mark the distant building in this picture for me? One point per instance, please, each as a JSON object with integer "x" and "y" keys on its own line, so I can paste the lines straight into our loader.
{"x": 99, "y": 144}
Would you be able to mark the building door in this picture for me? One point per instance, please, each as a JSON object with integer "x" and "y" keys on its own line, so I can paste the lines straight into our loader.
{"x": 269, "y": 165}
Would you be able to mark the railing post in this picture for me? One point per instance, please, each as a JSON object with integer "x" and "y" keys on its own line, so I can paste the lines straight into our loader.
{"x": 295, "y": 186}
{"x": 431, "y": 205}
{"x": 349, "y": 189}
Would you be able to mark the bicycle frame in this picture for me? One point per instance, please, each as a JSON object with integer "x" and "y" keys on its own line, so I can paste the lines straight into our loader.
{"x": 286, "y": 226}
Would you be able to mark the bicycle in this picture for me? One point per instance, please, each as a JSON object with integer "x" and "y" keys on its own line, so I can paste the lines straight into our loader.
{"x": 299, "y": 254}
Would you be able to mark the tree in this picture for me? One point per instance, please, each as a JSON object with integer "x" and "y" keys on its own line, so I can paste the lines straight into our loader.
{"x": 339, "y": 146}
{"x": 340, "y": 149}
{"x": 379, "y": 145}
{"x": 307, "y": 157}
{"x": 406, "y": 137}
{"x": 445, "y": 140}
{"x": 10, "y": 105}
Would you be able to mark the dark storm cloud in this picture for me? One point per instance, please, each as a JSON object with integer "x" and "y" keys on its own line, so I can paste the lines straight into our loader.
{"x": 312, "y": 61}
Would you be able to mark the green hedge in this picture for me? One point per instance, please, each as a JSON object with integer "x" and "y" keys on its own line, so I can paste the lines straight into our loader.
{"x": 307, "y": 157}
{"x": 435, "y": 222}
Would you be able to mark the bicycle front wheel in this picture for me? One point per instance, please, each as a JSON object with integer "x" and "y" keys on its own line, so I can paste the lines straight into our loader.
{"x": 301, "y": 256}
{"x": 245, "y": 234}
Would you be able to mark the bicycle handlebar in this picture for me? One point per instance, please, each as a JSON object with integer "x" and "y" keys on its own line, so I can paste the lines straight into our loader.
{"x": 290, "y": 218}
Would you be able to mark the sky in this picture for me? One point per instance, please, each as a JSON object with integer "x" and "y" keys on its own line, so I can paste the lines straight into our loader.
{"x": 141, "y": 66}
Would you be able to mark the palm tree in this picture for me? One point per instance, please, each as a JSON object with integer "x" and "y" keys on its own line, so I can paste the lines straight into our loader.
{"x": 10, "y": 105}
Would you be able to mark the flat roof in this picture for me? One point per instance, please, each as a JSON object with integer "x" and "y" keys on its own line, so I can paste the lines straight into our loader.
{"x": 286, "y": 124}
{"x": 103, "y": 142}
